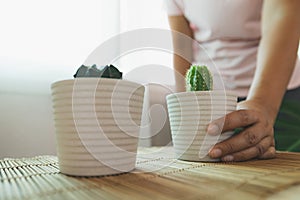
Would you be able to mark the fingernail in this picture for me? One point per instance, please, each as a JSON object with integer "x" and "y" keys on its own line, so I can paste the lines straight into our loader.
{"x": 213, "y": 129}
{"x": 228, "y": 158}
{"x": 215, "y": 153}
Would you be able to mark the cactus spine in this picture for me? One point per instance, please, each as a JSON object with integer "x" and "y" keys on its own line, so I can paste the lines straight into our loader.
{"x": 199, "y": 78}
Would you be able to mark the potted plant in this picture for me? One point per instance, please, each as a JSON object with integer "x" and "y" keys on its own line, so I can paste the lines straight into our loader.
{"x": 190, "y": 112}
{"x": 97, "y": 119}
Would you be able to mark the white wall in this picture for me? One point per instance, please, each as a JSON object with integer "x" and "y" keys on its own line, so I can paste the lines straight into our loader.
{"x": 151, "y": 67}
{"x": 45, "y": 41}
{"x": 26, "y": 125}
{"x": 41, "y": 42}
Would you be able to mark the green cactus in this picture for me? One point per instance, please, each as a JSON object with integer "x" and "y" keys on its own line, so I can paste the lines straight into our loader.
{"x": 199, "y": 78}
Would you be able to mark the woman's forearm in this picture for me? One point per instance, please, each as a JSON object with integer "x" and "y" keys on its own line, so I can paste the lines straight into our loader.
{"x": 277, "y": 53}
{"x": 181, "y": 65}
{"x": 182, "y": 44}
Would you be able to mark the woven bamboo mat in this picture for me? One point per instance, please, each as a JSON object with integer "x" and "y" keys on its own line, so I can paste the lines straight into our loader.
{"x": 157, "y": 176}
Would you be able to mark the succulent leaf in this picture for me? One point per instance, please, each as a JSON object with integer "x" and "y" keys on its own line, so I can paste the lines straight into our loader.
{"x": 108, "y": 71}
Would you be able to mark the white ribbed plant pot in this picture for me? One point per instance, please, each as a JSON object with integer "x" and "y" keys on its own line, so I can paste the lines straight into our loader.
{"x": 189, "y": 114}
{"x": 97, "y": 123}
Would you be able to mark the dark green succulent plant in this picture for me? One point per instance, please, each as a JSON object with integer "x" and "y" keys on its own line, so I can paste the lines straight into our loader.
{"x": 108, "y": 71}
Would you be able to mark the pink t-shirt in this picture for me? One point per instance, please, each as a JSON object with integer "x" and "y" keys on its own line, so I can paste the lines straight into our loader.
{"x": 229, "y": 31}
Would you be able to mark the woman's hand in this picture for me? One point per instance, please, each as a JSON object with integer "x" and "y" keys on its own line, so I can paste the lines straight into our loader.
{"x": 256, "y": 140}
{"x": 276, "y": 58}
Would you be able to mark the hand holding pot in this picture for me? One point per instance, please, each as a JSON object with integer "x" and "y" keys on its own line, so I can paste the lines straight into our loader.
{"x": 255, "y": 140}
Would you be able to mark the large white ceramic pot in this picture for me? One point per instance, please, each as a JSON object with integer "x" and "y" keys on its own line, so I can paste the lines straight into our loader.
{"x": 97, "y": 123}
{"x": 189, "y": 114}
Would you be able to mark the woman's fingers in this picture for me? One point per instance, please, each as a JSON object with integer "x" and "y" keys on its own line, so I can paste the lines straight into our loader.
{"x": 239, "y": 118}
{"x": 255, "y": 141}
{"x": 262, "y": 150}
{"x": 270, "y": 153}
{"x": 249, "y": 137}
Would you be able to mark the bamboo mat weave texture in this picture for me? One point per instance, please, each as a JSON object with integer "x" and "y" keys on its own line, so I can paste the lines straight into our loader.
{"x": 157, "y": 176}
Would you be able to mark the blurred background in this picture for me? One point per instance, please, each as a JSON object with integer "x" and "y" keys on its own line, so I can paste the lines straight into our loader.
{"x": 45, "y": 41}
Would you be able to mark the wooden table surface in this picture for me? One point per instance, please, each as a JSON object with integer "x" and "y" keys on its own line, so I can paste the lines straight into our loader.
{"x": 157, "y": 176}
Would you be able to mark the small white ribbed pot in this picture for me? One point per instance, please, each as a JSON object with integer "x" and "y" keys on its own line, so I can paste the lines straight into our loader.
{"x": 189, "y": 114}
{"x": 97, "y": 123}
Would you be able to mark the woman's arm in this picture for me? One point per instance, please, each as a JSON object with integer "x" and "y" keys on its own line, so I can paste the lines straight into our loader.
{"x": 181, "y": 44}
{"x": 277, "y": 53}
{"x": 275, "y": 63}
